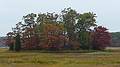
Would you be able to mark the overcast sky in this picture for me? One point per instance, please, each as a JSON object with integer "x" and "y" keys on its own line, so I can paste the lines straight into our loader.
{"x": 11, "y": 11}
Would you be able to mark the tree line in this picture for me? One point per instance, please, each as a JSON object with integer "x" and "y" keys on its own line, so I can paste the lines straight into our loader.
{"x": 68, "y": 30}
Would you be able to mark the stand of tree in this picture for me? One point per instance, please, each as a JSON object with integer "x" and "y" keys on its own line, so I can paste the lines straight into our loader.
{"x": 51, "y": 31}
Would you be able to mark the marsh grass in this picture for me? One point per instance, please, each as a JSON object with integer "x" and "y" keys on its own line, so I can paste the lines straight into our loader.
{"x": 107, "y": 58}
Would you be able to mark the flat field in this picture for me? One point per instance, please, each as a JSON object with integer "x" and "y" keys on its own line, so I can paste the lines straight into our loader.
{"x": 108, "y": 58}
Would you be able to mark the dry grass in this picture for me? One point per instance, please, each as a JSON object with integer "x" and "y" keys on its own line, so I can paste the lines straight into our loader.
{"x": 38, "y": 59}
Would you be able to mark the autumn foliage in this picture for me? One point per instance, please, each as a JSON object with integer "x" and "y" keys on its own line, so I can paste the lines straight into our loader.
{"x": 50, "y": 31}
{"x": 102, "y": 38}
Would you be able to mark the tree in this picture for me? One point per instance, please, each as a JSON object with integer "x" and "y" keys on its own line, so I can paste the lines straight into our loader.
{"x": 84, "y": 23}
{"x": 17, "y": 46}
{"x": 102, "y": 38}
{"x": 47, "y": 23}
{"x": 29, "y": 20}
{"x": 29, "y": 35}
{"x": 54, "y": 31}
{"x": 50, "y": 37}
{"x": 69, "y": 18}
{"x": 10, "y": 40}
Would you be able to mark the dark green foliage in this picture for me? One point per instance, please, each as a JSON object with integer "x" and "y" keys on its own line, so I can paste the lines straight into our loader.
{"x": 69, "y": 19}
{"x": 11, "y": 47}
{"x": 17, "y": 46}
{"x": 84, "y": 39}
{"x": 85, "y": 22}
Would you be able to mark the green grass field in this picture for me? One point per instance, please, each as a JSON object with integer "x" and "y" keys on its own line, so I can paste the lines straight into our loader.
{"x": 109, "y": 58}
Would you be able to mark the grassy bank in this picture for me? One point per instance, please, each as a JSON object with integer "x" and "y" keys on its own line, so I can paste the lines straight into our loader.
{"x": 109, "y": 58}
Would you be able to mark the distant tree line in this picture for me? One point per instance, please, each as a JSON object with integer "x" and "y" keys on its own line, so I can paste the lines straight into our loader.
{"x": 115, "y": 39}
{"x": 68, "y": 30}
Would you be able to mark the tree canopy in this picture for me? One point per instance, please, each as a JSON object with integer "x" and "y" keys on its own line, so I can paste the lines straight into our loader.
{"x": 67, "y": 30}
